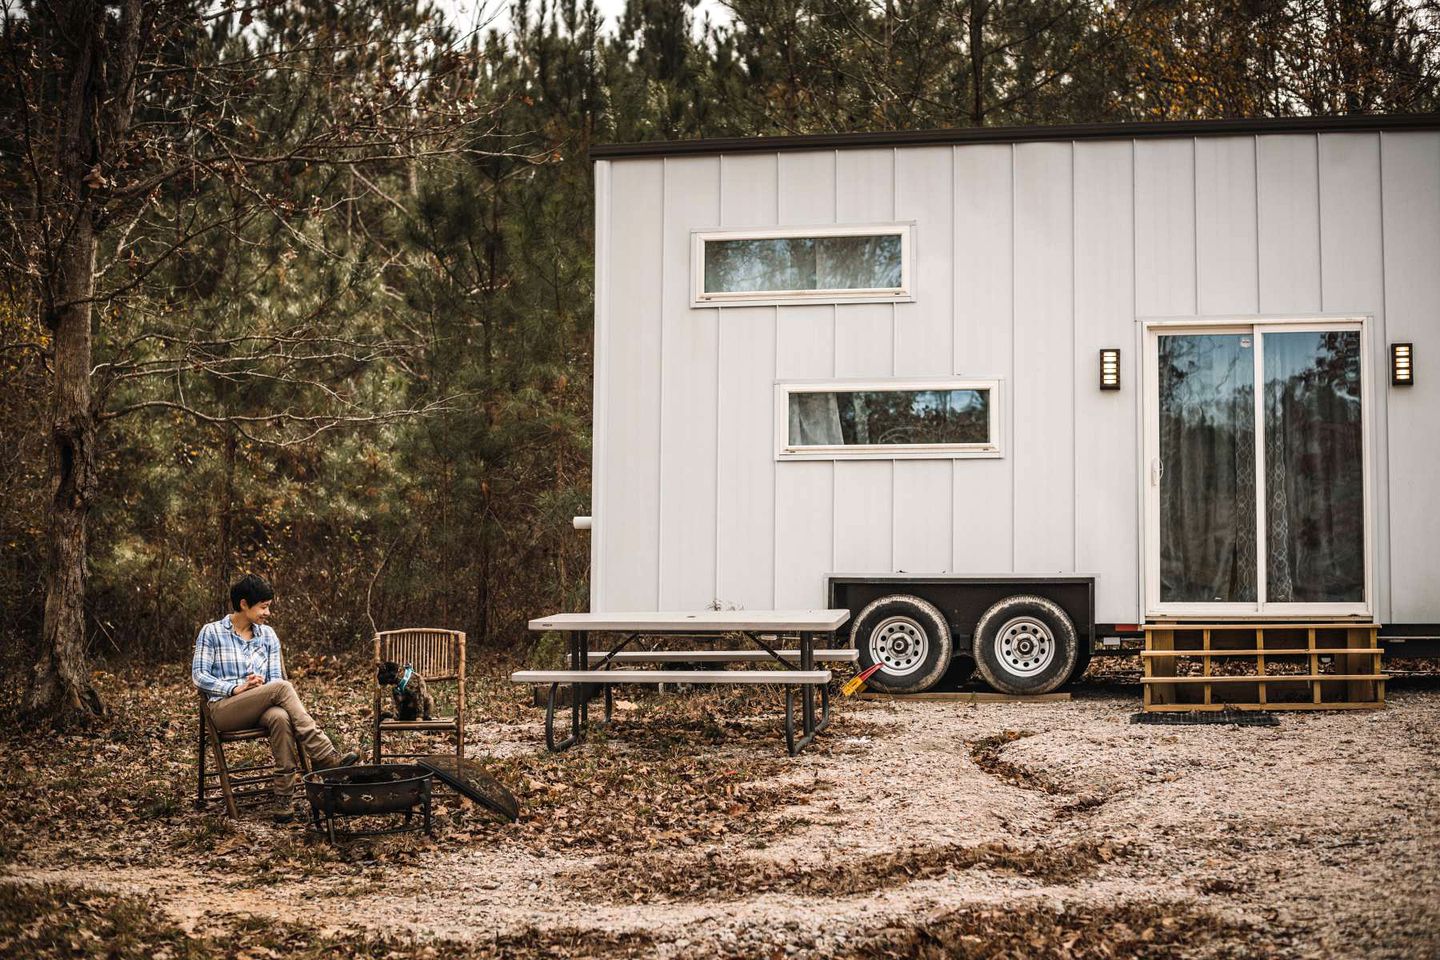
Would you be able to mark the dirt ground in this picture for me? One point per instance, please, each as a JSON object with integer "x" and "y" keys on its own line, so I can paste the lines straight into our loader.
{"x": 910, "y": 829}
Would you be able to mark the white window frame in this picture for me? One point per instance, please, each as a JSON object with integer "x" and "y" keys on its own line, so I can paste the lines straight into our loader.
{"x": 1150, "y": 475}
{"x": 895, "y": 451}
{"x": 904, "y": 293}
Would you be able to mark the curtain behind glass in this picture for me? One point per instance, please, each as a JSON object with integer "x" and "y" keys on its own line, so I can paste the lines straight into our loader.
{"x": 1207, "y": 488}
{"x": 889, "y": 417}
{"x": 814, "y": 420}
{"x": 803, "y": 263}
{"x": 1314, "y": 468}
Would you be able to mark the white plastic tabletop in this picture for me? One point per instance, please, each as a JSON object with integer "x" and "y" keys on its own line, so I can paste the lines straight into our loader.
{"x": 697, "y": 621}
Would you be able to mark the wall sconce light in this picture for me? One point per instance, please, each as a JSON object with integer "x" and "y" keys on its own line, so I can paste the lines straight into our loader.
{"x": 1109, "y": 369}
{"x": 1402, "y": 365}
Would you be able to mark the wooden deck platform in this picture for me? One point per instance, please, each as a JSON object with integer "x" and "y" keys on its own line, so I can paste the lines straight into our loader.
{"x": 1262, "y": 666}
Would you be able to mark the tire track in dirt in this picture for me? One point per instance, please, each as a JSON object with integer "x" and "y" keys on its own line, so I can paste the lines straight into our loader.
{"x": 987, "y": 752}
{"x": 711, "y": 879}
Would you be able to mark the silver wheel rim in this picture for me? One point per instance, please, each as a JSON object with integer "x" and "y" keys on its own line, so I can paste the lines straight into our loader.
{"x": 900, "y": 644}
{"x": 1024, "y": 646}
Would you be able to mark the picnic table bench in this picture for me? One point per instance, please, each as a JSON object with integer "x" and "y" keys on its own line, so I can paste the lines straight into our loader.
{"x": 796, "y": 669}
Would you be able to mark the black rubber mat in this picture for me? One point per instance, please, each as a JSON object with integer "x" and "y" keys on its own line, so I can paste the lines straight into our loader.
{"x": 1196, "y": 718}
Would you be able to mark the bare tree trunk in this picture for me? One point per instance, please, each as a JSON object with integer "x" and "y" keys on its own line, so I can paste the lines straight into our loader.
{"x": 61, "y": 685}
{"x": 96, "y": 98}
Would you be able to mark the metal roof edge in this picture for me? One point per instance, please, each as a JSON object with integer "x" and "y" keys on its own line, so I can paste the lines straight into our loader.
{"x": 1355, "y": 123}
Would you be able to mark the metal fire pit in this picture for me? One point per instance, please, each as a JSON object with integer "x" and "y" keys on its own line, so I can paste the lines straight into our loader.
{"x": 362, "y": 791}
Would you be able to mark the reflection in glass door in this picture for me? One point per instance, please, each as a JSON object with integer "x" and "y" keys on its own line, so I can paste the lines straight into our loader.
{"x": 1257, "y": 503}
{"x": 1314, "y": 468}
{"x": 1207, "y": 478}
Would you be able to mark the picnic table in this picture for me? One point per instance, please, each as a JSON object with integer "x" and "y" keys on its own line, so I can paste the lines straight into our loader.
{"x": 796, "y": 667}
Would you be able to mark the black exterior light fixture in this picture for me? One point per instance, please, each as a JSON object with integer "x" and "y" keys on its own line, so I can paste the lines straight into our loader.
{"x": 1109, "y": 368}
{"x": 1402, "y": 364}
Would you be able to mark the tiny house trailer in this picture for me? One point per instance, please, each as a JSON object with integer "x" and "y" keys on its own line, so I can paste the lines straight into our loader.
{"x": 1009, "y": 394}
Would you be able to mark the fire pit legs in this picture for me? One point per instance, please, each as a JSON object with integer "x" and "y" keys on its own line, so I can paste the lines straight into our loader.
{"x": 360, "y": 791}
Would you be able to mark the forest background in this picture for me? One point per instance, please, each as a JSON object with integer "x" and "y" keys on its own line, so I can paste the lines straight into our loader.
{"x": 339, "y": 324}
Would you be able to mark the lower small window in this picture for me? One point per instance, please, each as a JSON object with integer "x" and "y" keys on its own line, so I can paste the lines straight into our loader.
{"x": 844, "y": 420}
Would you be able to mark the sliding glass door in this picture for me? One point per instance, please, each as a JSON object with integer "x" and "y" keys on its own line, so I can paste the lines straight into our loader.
{"x": 1256, "y": 466}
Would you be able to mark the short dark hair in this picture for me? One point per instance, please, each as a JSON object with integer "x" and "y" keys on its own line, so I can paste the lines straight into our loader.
{"x": 252, "y": 589}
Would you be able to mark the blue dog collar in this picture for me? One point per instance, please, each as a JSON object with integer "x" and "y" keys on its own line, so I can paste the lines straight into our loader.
{"x": 400, "y": 687}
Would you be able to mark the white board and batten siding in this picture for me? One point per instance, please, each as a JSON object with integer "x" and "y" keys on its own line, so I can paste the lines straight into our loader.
{"x": 1029, "y": 257}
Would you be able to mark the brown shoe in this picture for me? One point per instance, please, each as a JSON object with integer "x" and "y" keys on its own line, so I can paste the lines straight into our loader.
{"x": 347, "y": 759}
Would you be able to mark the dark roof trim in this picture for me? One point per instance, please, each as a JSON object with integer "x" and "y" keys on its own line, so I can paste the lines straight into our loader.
{"x": 1086, "y": 131}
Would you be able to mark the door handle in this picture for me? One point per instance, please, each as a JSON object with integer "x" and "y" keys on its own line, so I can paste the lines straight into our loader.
{"x": 1157, "y": 470}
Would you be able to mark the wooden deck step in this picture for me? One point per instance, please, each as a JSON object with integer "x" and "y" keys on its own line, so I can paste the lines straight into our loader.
{"x": 1180, "y": 660}
{"x": 802, "y": 677}
{"x": 1268, "y": 678}
{"x": 1216, "y": 707}
{"x": 1267, "y": 651}
{"x": 720, "y": 656}
{"x": 1181, "y": 626}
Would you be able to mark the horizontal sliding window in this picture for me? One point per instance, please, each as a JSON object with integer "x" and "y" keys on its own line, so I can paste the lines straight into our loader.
{"x": 876, "y": 420}
{"x": 825, "y": 264}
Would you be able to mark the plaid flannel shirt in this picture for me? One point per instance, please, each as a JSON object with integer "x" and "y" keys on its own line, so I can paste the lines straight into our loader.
{"x": 223, "y": 658}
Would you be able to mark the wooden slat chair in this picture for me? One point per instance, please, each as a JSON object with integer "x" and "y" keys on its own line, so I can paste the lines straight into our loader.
{"x": 439, "y": 657}
{"x": 247, "y": 785}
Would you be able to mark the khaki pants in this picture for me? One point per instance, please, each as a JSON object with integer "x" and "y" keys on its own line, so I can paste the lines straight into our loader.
{"x": 276, "y": 706}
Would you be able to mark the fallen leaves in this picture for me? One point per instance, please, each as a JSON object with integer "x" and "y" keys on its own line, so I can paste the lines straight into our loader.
{"x": 57, "y": 922}
{"x": 710, "y": 877}
{"x": 1039, "y": 931}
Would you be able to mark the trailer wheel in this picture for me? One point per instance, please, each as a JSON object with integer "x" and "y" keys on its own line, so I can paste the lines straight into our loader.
{"x": 908, "y": 637}
{"x": 1025, "y": 645}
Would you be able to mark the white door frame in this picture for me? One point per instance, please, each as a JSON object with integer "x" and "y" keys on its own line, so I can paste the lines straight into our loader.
{"x": 1150, "y": 452}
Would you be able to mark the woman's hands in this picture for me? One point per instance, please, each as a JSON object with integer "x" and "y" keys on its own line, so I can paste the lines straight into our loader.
{"x": 251, "y": 680}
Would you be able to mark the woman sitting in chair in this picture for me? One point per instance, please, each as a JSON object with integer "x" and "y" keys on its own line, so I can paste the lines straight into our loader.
{"x": 237, "y": 666}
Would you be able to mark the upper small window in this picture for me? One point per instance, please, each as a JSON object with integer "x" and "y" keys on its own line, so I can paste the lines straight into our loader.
{"x": 846, "y": 420}
{"x": 802, "y": 265}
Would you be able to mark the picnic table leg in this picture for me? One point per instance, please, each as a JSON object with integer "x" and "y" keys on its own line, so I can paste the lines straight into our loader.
{"x": 793, "y": 744}
{"x": 790, "y": 721}
{"x": 579, "y": 707}
{"x": 825, "y": 696}
{"x": 550, "y": 742}
{"x": 807, "y": 662}
{"x": 808, "y": 725}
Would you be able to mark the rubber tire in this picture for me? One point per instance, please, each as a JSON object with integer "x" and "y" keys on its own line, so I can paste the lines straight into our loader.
{"x": 1047, "y": 612}
{"x": 937, "y": 635}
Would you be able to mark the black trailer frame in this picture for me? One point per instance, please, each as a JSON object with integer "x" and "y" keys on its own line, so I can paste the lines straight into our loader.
{"x": 963, "y": 598}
